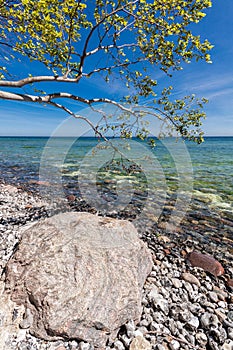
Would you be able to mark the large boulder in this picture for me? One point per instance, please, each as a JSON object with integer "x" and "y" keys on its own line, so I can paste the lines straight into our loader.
{"x": 80, "y": 276}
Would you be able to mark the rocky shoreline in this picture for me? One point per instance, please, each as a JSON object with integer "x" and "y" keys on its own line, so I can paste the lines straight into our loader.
{"x": 184, "y": 307}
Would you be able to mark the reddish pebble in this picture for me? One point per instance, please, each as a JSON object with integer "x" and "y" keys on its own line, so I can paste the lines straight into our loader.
{"x": 206, "y": 262}
{"x": 183, "y": 253}
{"x": 71, "y": 198}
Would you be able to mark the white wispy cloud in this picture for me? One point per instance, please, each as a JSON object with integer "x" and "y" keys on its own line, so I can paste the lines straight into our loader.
{"x": 218, "y": 93}
{"x": 205, "y": 83}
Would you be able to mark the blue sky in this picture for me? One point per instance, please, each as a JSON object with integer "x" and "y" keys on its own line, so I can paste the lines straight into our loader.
{"x": 213, "y": 81}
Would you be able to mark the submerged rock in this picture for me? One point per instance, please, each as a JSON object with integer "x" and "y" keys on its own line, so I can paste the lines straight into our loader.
{"x": 80, "y": 275}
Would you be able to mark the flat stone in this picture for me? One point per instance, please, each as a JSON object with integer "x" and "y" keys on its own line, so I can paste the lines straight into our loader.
{"x": 80, "y": 275}
{"x": 176, "y": 283}
{"x": 140, "y": 343}
{"x": 188, "y": 277}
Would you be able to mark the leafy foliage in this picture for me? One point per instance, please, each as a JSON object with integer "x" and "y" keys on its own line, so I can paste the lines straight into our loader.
{"x": 77, "y": 39}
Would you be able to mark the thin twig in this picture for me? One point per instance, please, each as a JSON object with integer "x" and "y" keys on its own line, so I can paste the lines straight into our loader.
{"x": 176, "y": 338}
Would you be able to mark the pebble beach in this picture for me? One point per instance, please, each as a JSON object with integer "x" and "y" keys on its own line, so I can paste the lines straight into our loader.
{"x": 183, "y": 307}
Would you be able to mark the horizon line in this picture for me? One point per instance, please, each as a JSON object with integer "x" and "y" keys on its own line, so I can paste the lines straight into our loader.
{"x": 50, "y": 136}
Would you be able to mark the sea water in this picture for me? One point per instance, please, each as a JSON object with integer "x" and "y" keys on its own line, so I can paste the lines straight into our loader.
{"x": 209, "y": 166}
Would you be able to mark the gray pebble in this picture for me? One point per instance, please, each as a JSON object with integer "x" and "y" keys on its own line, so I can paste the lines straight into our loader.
{"x": 212, "y": 344}
{"x": 118, "y": 345}
{"x": 159, "y": 301}
{"x": 84, "y": 346}
{"x": 193, "y": 323}
{"x": 125, "y": 340}
{"x": 160, "y": 347}
{"x": 144, "y": 323}
{"x": 175, "y": 298}
{"x": 130, "y": 328}
{"x": 208, "y": 286}
{"x": 228, "y": 345}
{"x": 158, "y": 317}
{"x": 219, "y": 335}
{"x": 174, "y": 345}
{"x": 201, "y": 339}
{"x": 27, "y": 320}
{"x": 173, "y": 327}
{"x": 140, "y": 331}
{"x": 230, "y": 332}
{"x": 190, "y": 338}
{"x": 230, "y": 316}
{"x": 222, "y": 304}
{"x": 208, "y": 320}
{"x": 185, "y": 315}
{"x": 213, "y": 297}
{"x": 73, "y": 345}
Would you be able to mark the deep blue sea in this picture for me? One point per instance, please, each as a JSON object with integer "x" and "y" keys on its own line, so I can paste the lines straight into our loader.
{"x": 205, "y": 171}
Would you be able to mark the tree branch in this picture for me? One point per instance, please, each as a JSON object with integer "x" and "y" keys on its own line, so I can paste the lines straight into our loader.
{"x": 107, "y": 47}
{"x": 38, "y": 79}
{"x": 6, "y": 44}
{"x": 67, "y": 110}
{"x": 94, "y": 128}
{"x": 5, "y": 95}
{"x": 84, "y": 53}
{"x": 48, "y": 99}
{"x": 115, "y": 66}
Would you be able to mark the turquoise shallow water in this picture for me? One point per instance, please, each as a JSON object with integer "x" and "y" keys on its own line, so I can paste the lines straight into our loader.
{"x": 210, "y": 172}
